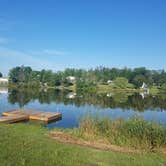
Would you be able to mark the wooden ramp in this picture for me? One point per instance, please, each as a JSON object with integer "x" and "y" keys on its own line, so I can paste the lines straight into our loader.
{"x": 20, "y": 115}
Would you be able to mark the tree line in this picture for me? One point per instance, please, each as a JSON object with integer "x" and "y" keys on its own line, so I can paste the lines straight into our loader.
{"x": 99, "y": 75}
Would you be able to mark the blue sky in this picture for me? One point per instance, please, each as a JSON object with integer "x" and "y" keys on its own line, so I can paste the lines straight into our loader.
{"x": 57, "y": 34}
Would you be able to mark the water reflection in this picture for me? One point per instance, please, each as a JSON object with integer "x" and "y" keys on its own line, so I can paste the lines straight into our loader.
{"x": 124, "y": 101}
{"x": 3, "y": 90}
{"x": 144, "y": 94}
{"x": 71, "y": 95}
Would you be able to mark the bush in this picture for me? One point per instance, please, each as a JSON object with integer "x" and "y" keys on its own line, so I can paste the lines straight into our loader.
{"x": 121, "y": 82}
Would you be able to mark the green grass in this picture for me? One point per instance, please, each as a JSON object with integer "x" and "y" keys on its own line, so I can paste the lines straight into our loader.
{"x": 101, "y": 88}
{"x": 134, "y": 132}
{"x": 29, "y": 145}
{"x": 72, "y": 87}
{"x": 154, "y": 90}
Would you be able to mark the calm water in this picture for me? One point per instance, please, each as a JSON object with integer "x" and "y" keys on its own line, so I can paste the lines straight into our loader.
{"x": 152, "y": 108}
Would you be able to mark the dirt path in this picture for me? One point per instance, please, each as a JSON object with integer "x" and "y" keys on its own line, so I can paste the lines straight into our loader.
{"x": 67, "y": 138}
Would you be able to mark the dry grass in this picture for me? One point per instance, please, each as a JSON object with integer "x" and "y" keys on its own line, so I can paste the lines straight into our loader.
{"x": 98, "y": 144}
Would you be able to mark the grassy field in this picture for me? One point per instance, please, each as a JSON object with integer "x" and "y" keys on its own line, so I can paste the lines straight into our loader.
{"x": 29, "y": 145}
{"x": 109, "y": 88}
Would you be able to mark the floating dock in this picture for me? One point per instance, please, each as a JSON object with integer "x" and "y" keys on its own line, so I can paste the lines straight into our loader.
{"x": 13, "y": 119}
{"x": 23, "y": 115}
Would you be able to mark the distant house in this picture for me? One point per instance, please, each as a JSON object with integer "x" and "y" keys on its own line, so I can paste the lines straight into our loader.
{"x": 109, "y": 82}
{"x": 45, "y": 84}
{"x": 4, "y": 81}
{"x": 145, "y": 88}
{"x": 71, "y": 78}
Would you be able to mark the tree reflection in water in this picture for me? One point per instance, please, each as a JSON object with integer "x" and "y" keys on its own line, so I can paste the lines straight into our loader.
{"x": 116, "y": 100}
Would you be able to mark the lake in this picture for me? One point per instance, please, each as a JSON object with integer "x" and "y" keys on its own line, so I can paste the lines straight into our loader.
{"x": 76, "y": 106}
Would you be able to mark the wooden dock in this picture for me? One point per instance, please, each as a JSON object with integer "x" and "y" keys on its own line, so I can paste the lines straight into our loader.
{"x": 13, "y": 119}
{"x": 13, "y": 116}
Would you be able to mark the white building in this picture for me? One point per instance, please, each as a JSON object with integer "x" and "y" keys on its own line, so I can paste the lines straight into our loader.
{"x": 71, "y": 78}
{"x": 4, "y": 81}
{"x": 145, "y": 88}
{"x": 109, "y": 82}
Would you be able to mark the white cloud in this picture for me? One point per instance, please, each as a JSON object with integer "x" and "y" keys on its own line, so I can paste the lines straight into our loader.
{"x": 10, "y": 58}
{"x": 54, "y": 52}
{"x": 49, "y": 52}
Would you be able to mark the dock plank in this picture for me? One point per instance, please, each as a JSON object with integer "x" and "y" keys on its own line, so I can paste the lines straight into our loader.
{"x": 13, "y": 119}
{"x": 45, "y": 116}
{"x": 32, "y": 115}
{"x": 21, "y": 112}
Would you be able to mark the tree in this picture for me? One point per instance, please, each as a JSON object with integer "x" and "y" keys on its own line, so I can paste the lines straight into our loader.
{"x": 121, "y": 82}
{"x": 20, "y": 74}
{"x": 123, "y": 77}
{"x": 138, "y": 80}
{"x": 1, "y": 74}
{"x": 163, "y": 86}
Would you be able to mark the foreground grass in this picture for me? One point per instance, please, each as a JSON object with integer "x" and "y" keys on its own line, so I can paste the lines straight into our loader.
{"x": 22, "y": 144}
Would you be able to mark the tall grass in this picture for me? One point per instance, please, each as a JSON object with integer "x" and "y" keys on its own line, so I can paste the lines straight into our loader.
{"x": 134, "y": 132}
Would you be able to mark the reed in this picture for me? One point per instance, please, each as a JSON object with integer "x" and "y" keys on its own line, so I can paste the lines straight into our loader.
{"x": 134, "y": 132}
